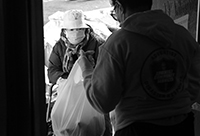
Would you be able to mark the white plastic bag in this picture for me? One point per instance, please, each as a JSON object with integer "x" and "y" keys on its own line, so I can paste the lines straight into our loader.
{"x": 72, "y": 114}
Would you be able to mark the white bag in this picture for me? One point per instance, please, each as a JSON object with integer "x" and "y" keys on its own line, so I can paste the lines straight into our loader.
{"x": 72, "y": 114}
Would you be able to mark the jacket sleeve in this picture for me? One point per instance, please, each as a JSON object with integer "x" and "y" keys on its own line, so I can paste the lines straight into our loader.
{"x": 194, "y": 75}
{"x": 97, "y": 50}
{"x": 95, "y": 42}
{"x": 55, "y": 65}
{"x": 104, "y": 84}
{"x": 99, "y": 43}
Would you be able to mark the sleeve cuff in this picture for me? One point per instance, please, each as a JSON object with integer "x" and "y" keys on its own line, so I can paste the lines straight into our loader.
{"x": 87, "y": 72}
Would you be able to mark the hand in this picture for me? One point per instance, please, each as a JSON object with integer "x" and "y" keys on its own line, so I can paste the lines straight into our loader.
{"x": 196, "y": 106}
{"x": 59, "y": 80}
{"x": 86, "y": 61}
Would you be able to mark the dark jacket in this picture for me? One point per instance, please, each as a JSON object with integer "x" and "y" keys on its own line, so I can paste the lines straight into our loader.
{"x": 57, "y": 55}
{"x": 151, "y": 71}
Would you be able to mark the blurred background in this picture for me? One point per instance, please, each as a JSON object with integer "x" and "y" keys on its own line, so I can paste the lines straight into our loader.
{"x": 51, "y": 6}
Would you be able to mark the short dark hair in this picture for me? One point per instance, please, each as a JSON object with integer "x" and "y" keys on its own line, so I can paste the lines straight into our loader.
{"x": 132, "y": 4}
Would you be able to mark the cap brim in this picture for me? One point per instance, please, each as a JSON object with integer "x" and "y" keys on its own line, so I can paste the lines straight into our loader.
{"x": 76, "y": 27}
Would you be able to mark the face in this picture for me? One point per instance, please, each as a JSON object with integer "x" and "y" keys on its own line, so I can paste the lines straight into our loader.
{"x": 116, "y": 13}
{"x": 113, "y": 14}
{"x": 75, "y": 36}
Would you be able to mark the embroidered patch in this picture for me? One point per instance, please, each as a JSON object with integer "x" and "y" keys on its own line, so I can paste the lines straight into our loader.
{"x": 163, "y": 73}
{"x": 76, "y": 15}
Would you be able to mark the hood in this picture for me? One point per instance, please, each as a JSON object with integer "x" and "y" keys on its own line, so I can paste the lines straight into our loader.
{"x": 154, "y": 24}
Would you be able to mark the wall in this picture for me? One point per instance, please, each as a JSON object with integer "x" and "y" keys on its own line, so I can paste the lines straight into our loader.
{"x": 179, "y": 8}
{"x": 22, "y": 88}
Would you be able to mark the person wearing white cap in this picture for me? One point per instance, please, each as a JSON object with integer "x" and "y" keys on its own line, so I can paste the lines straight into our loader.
{"x": 75, "y": 35}
{"x": 75, "y": 26}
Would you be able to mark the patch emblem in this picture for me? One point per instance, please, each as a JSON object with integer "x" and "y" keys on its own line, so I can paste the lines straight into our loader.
{"x": 163, "y": 73}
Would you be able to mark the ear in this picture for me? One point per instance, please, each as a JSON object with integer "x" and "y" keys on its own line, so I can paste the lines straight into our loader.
{"x": 122, "y": 9}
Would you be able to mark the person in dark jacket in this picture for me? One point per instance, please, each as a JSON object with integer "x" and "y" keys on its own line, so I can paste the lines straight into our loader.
{"x": 66, "y": 50}
{"x": 64, "y": 54}
{"x": 148, "y": 72}
{"x": 75, "y": 35}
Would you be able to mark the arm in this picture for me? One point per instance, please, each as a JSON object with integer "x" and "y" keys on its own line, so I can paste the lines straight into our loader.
{"x": 104, "y": 84}
{"x": 55, "y": 65}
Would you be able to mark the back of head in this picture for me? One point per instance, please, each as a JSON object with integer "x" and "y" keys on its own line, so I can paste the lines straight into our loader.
{"x": 134, "y": 4}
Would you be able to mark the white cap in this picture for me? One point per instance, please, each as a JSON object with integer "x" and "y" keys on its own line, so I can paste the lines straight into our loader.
{"x": 73, "y": 19}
